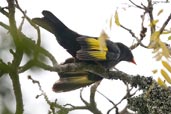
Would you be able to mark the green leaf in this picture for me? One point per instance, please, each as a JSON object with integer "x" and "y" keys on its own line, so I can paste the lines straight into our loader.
{"x": 169, "y": 38}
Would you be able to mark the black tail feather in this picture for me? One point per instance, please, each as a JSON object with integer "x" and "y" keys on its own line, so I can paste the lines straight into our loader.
{"x": 65, "y": 36}
{"x": 74, "y": 80}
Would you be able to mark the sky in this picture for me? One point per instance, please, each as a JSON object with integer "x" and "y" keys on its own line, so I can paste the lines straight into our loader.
{"x": 88, "y": 17}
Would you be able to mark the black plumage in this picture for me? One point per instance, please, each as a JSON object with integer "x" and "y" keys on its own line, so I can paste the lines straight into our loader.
{"x": 73, "y": 80}
{"x": 82, "y": 48}
{"x": 65, "y": 37}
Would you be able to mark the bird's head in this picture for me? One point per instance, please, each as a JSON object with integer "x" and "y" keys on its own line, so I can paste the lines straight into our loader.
{"x": 126, "y": 54}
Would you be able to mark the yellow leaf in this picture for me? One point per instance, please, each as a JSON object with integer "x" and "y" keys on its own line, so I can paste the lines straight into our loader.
{"x": 161, "y": 82}
{"x": 153, "y": 23}
{"x": 110, "y": 24}
{"x": 169, "y": 38}
{"x": 155, "y": 36}
{"x": 167, "y": 66}
{"x": 158, "y": 56}
{"x": 103, "y": 36}
{"x": 166, "y": 32}
{"x": 155, "y": 50}
{"x": 154, "y": 39}
{"x": 165, "y": 50}
{"x": 166, "y": 76}
{"x": 101, "y": 39}
{"x": 153, "y": 45}
{"x": 160, "y": 11}
{"x": 154, "y": 71}
{"x": 117, "y": 19}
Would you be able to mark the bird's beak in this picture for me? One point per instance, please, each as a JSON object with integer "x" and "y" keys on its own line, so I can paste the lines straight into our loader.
{"x": 133, "y": 61}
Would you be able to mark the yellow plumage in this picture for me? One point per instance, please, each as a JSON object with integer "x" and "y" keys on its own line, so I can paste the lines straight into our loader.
{"x": 95, "y": 44}
{"x": 99, "y": 55}
{"x": 97, "y": 48}
{"x": 81, "y": 79}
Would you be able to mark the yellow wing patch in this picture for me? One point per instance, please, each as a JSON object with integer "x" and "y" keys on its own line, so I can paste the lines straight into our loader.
{"x": 99, "y": 55}
{"x": 96, "y": 45}
{"x": 92, "y": 49}
{"x": 80, "y": 80}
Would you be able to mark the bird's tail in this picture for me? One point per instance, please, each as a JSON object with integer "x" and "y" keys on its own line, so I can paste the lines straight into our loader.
{"x": 73, "y": 80}
{"x": 49, "y": 22}
{"x": 65, "y": 36}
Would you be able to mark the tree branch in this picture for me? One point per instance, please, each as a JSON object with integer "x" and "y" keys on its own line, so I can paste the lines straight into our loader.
{"x": 29, "y": 20}
{"x": 93, "y": 107}
{"x": 165, "y": 24}
{"x": 136, "y": 5}
{"x": 149, "y": 9}
{"x": 4, "y": 12}
{"x": 17, "y": 58}
{"x": 4, "y": 25}
{"x": 135, "y": 81}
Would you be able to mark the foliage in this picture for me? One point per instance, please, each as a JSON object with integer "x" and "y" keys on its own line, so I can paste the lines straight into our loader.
{"x": 157, "y": 101}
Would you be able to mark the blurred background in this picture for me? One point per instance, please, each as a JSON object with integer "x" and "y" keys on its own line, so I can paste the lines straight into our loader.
{"x": 88, "y": 17}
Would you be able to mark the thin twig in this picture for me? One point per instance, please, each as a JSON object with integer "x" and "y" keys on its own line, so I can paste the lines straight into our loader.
{"x": 51, "y": 104}
{"x": 4, "y": 12}
{"x": 93, "y": 107}
{"x": 4, "y": 67}
{"x": 133, "y": 35}
{"x": 130, "y": 31}
{"x": 136, "y": 4}
{"x": 36, "y": 52}
{"x": 35, "y": 26}
{"x": 149, "y": 10}
{"x": 143, "y": 32}
{"x": 82, "y": 99}
{"x": 165, "y": 24}
{"x": 105, "y": 97}
{"x": 29, "y": 43}
{"x": 21, "y": 24}
{"x": 36, "y": 63}
{"x": 4, "y": 25}
{"x": 72, "y": 107}
{"x": 115, "y": 106}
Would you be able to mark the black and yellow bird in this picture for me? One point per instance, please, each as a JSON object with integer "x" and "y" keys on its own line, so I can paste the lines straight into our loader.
{"x": 82, "y": 48}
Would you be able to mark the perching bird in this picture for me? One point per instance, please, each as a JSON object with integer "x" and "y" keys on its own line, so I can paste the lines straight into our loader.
{"x": 83, "y": 48}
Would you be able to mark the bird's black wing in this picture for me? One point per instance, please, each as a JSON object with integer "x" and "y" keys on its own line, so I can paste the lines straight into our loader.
{"x": 65, "y": 36}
